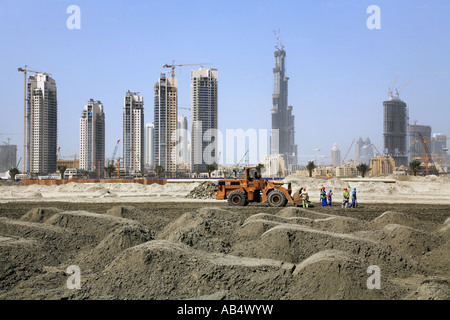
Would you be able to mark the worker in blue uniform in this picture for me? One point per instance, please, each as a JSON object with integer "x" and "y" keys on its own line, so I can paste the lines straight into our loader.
{"x": 353, "y": 204}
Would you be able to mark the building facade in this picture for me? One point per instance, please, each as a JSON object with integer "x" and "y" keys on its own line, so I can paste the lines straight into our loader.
{"x": 165, "y": 121}
{"x": 395, "y": 130}
{"x": 92, "y": 137}
{"x": 364, "y": 151}
{"x": 382, "y": 165}
{"x": 282, "y": 140}
{"x": 182, "y": 140}
{"x": 8, "y": 157}
{"x": 133, "y": 132}
{"x": 274, "y": 166}
{"x": 149, "y": 160}
{"x": 42, "y": 124}
{"x": 204, "y": 118}
{"x": 417, "y": 148}
{"x": 335, "y": 156}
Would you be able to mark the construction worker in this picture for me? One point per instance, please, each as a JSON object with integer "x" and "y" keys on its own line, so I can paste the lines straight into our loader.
{"x": 353, "y": 204}
{"x": 323, "y": 197}
{"x": 329, "y": 196}
{"x": 346, "y": 196}
{"x": 305, "y": 198}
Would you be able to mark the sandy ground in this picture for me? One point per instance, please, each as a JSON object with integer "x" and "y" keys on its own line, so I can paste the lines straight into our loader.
{"x": 150, "y": 242}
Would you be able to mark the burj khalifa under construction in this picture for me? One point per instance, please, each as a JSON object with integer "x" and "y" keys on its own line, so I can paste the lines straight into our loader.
{"x": 282, "y": 140}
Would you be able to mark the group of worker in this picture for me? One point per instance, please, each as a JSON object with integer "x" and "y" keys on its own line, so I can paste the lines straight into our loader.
{"x": 326, "y": 198}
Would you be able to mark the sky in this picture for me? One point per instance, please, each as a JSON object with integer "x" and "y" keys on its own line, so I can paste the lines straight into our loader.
{"x": 339, "y": 70}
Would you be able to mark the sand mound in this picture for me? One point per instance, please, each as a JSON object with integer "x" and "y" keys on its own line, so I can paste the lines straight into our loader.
{"x": 401, "y": 218}
{"x": 39, "y": 214}
{"x": 290, "y": 212}
{"x": 206, "y": 190}
{"x": 113, "y": 244}
{"x": 209, "y": 222}
{"x": 331, "y": 274}
{"x": 410, "y": 240}
{"x": 432, "y": 289}
{"x": 150, "y": 220}
{"x": 98, "y": 225}
{"x": 169, "y": 270}
{"x": 294, "y": 243}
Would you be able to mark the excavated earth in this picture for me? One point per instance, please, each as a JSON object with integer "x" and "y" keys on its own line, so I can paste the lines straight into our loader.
{"x": 207, "y": 250}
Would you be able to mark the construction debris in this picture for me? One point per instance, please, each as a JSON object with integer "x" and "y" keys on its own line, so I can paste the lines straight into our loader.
{"x": 206, "y": 190}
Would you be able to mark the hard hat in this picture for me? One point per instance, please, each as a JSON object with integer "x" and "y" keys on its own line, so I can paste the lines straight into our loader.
{"x": 345, "y": 188}
{"x": 354, "y": 188}
{"x": 304, "y": 188}
{"x": 330, "y": 190}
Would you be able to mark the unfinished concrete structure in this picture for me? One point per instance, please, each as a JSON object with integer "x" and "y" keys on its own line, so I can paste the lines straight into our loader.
{"x": 417, "y": 149}
{"x": 165, "y": 121}
{"x": 133, "y": 132}
{"x": 42, "y": 124}
{"x": 395, "y": 130}
{"x": 204, "y": 118}
{"x": 92, "y": 137}
{"x": 8, "y": 157}
{"x": 282, "y": 139}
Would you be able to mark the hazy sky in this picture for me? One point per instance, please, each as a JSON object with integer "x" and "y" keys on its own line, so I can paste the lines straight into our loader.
{"x": 339, "y": 69}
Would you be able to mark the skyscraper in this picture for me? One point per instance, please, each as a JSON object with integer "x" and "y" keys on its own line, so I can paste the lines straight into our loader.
{"x": 182, "y": 140}
{"x": 92, "y": 137}
{"x": 133, "y": 132}
{"x": 364, "y": 151}
{"x": 42, "y": 124}
{"x": 283, "y": 130}
{"x": 149, "y": 144}
{"x": 165, "y": 121}
{"x": 204, "y": 118}
{"x": 335, "y": 156}
{"x": 395, "y": 130}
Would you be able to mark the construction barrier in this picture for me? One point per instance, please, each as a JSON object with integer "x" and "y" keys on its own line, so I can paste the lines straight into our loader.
{"x": 59, "y": 181}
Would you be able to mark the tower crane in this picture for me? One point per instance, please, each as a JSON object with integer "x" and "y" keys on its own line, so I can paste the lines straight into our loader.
{"x": 172, "y": 113}
{"x": 343, "y": 160}
{"x": 115, "y": 151}
{"x": 427, "y": 155}
{"x": 25, "y": 70}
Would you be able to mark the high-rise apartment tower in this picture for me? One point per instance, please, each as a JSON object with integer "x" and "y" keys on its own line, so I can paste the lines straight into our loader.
{"x": 165, "y": 121}
{"x": 395, "y": 130}
{"x": 133, "y": 132}
{"x": 92, "y": 137}
{"x": 42, "y": 124}
{"x": 204, "y": 118}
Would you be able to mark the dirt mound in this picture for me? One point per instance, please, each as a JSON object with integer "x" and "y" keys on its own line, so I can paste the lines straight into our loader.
{"x": 401, "y": 218}
{"x": 206, "y": 190}
{"x": 148, "y": 219}
{"x": 331, "y": 274}
{"x": 291, "y": 212}
{"x": 98, "y": 225}
{"x": 39, "y": 214}
{"x": 435, "y": 288}
{"x": 207, "y": 224}
{"x": 113, "y": 244}
{"x": 410, "y": 240}
{"x": 294, "y": 243}
{"x": 168, "y": 270}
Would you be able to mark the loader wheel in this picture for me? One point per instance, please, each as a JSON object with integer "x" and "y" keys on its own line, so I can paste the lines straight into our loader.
{"x": 276, "y": 199}
{"x": 237, "y": 198}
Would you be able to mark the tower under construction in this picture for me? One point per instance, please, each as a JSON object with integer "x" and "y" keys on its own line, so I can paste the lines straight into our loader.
{"x": 282, "y": 139}
{"x": 395, "y": 130}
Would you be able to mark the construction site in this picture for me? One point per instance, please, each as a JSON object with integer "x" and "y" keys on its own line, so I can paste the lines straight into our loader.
{"x": 178, "y": 241}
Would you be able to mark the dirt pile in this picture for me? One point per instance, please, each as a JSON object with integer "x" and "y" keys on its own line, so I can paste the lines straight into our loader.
{"x": 222, "y": 253}
{"x": 206, "y": 190}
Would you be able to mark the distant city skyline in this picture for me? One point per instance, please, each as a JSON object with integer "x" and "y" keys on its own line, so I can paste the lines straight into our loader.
{"x": 340, "y": 71}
